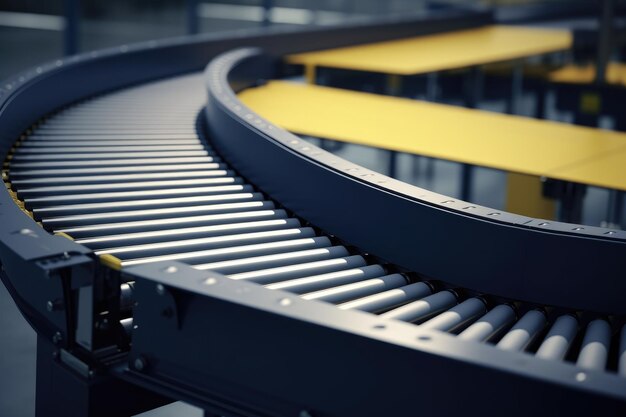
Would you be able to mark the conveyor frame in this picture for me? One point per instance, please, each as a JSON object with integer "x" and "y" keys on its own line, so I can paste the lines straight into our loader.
{"x": 38, "y": 268}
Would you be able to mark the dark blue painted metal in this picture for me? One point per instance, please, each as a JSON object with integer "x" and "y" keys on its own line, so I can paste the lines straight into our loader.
{"x": 261, "y": 352}
{"x": 456, "y": 242}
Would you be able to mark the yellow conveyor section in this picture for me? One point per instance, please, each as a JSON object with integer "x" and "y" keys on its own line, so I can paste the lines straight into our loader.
{"x": 514, "y": 144}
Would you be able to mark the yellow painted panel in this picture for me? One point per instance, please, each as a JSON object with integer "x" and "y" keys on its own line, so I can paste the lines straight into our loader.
{"x": 615, "y": 74}
{"x": 444, "y": 51}
{"x": 524, "y": 196}
{"x": 608, "y": 170}
{"x": 509, "y": 143}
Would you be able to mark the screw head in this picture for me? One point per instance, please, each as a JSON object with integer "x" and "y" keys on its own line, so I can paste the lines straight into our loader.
{"x": 54, "y": 305}
{"x": 57, "y": 338}
{"x": 160, "y": 289}
{"x": 140, "y": 364}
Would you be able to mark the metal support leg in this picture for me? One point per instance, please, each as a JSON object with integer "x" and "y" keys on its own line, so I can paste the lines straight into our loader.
{"x": 473, "y": 96}
{"x": 192, "y": 17}
{"x": 393, "y": 161}
{"x": 517, "y": 79}
{"x": 63, "y": 392}
{"x": 432, "y": 85}
{"x": 394, "y": 85}
{"x": 615, "y": 210}
{"x": 473, "y": 87}
{"x": 540, "y": 104}
{"x": 466, "y": 182}
{"x": 70, "y": 33}
{"x": 571, "y": 207}
{"x": 267, "y": 10}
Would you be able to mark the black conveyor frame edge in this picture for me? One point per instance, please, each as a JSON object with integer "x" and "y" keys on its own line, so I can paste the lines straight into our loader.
{"x": 498, "y": 253}
{"x": 261, "y": 352}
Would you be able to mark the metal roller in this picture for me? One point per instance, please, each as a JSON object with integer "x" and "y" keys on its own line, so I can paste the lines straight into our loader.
{"x": 73, "y": 132}
{"x": 283, "y": 273}
{"x": 141, "y": 137}
{"x": 112, "y": 206}
{"x": 204, "y": 243}
{"x": 47, "y": 191}
{"x": 98, "y": 218}
{"x": 97, "y": 179}
{"x": 525, "y": 331}
{"x": 331, "y": 279}
{"x": 170, "y": 223}
{"x": 229, "y": 253}
{"x": 490, "y": 325}
{"x": 103, "y": 141}
{"x": 135, "y": 195}
{"x": 386, "y": 300}
{"x": 557, "y": 343}
{"x": 20, "y": 174}
{"x": 457, "y": 317}
{"x": 112, "y": 162}
{"x": 187, "y": 232}
{"x": 95, "y": 149}
{"x": 595, "y": 346}
{"x": 423, "y": 309}
{"x": 109, "y": 155}
{"x": 356, "y": 290}
{"x": 254, "y": 263}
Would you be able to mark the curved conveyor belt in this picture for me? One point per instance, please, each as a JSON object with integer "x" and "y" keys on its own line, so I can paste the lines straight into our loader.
{"x": 129, "y": 176}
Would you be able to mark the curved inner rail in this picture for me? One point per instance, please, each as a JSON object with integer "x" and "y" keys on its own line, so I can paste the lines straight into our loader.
{"x": 128, "y": 176}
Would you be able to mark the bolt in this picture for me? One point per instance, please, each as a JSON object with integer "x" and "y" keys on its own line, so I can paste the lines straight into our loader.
{"x": 57, "y": 338}
{"x": 160, "y": 289}
{"x": 54, "y": 305}
{"x": 140, "y": 364}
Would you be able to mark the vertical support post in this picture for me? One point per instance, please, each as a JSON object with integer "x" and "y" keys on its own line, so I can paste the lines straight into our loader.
{"x": 466, "y": 182}
{"x": 61, "y": 391}
{"x": 394, "y": 85}
{"x": 615, "y": 209}
{"x": 604, "y": 39}
{"x": 540, "y": 105}
{"x": 393, "y": 162}
{"x": 473, "y": 95}
{"x": 192, "y": 17}
{"x": 310, "y": 74}
{"x": 571, "y": 207}
{"x": 267, "y": 10}
{"x": 70, "y": 31}
{"x": 432, "y": 84}
{"x": 517, "y": 86}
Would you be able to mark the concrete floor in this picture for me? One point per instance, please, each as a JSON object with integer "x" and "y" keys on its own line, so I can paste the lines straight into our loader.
{"x": 22, "y": 48}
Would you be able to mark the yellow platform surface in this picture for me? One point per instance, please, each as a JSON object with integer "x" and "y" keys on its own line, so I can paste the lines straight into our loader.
{"x": 573, "y": 74}
{"x": 438, "y": 52}
{"x": 510, "y": 143}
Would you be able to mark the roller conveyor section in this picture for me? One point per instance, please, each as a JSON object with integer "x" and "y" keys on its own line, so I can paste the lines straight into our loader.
{"x": 144, "y": 177}
{"x": 147, "y": 188}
